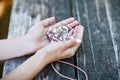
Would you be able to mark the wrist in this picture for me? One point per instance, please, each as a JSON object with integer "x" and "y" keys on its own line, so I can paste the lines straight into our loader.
{"x": 27, "y": 45}
{"x": 33, "y": 45}
{"x": 43, "y": 56}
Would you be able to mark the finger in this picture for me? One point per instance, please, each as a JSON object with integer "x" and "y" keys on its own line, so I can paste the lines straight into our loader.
{"x": 78, "y": 33}
{"x": 67, "y": 44}
{"x": 71, "y": 32}
{"x": 72, "y": 24}
{"x": 47, "y": 22}
{"x": 69, "y": 52}
{"x": 64, "y": 22}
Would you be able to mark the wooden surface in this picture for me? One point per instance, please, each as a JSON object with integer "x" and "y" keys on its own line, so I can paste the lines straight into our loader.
{"x": 99, "y": 54}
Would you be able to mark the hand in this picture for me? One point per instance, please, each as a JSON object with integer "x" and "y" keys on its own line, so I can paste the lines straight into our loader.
{"x": 52, "y": 52}
{"x": 36, "y": 36}
{"x": 60, "y": 50}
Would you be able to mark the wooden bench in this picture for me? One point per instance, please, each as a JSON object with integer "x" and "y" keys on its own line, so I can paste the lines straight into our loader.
{"x": 99, "y": 54}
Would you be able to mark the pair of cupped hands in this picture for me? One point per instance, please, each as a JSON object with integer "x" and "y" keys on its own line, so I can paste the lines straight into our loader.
{"x": 53, "y": 51}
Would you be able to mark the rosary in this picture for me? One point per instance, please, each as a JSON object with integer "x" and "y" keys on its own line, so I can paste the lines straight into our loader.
{"x": 59, "y": 34}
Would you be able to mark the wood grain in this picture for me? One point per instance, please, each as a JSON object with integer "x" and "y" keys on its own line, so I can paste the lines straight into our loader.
{"x": 97, "y": 55}
{"x": 113, "y": 12}
{"x": 24, "y": 15}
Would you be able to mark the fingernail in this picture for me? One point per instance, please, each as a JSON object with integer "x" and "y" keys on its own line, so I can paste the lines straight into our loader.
{"x": 76, "y": 21}
{"x": 78, "y": 40}
{"x": 52, "y": 17}
{"x": 72, "y": 18}
{"x": 81, "y": 26}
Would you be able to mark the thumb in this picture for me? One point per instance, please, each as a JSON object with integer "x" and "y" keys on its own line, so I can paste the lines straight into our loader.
{"x": 69, "y": 44}
{"x": 48, "y": 21}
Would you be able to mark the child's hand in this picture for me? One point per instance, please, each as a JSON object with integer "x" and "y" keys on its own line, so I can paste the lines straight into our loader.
{"x": 36, "y": 39}
{"x": 60, "y": 50}
{"x": 36, "y": 36}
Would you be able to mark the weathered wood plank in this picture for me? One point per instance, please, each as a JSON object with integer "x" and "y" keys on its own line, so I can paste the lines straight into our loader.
{"x": 97, "y": 56}
{"x": 113, "y": 12}
{"x": 24, "y": 14}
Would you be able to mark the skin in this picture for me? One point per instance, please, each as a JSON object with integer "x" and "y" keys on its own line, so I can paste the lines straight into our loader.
{"x": 36, "y": 41}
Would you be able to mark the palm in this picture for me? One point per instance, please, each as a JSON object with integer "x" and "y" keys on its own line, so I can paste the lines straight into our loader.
{"x": 38, "y": 32}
